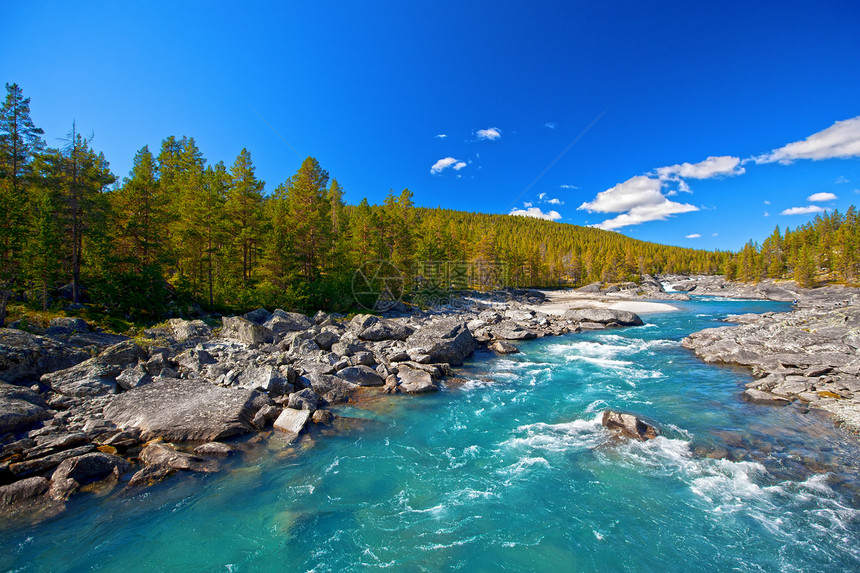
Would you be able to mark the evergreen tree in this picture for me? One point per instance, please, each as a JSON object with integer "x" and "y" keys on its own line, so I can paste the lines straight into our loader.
{"x": 309, "y": 216}
{"x": 244, "y": 211}
{"x": 20, "y": 141}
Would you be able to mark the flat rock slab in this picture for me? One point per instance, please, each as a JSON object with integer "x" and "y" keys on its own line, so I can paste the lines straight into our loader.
{"x": 25, "y": 356}
{"x": 292, "y": 422}
{"x": 185, "y": 410}
{"x": 604, "y": 316}
{"x": 20, "y": 408}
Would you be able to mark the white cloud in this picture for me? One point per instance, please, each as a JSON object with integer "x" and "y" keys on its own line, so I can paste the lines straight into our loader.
{"x": 645, "y": 213}
{"x": 693, "y": 236}
{"x": 725, "y": 165}
{"x": 549, "y": 125}
{"x": 441, "y": 136}
{"x": 766, "y": 214}
{"x": 715, "y": 235}
{"x": 555, "y": 201}
{"x": 802, "y": 210}
{"x": 568, "y": 187}
{"x": 822, "y": 197}
{"x": 639, "y": 199}
{"x": 842, "y": 179}
{"x": 527, "y": 205}
{"x": 536, "y": 213}
{"x": 767, "y": 202}
{"x": 541, "y": 196}
{"x": 842, "y": 139}
{"x": 442, "y": 164}
{"x": 489, "y": 133}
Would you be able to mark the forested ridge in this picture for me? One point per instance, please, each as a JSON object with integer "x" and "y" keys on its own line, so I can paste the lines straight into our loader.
{"x": 179, "y": 234}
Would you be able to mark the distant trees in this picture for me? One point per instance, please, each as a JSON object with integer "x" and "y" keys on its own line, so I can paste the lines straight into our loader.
{"x": 179, "y": 232}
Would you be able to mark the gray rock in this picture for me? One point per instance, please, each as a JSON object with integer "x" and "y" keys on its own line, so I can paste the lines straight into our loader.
{"x": 629, "y": 425}
{"x": 25, "y": 356}
{"x": 760, "y": 397}
{"x": 185, "y": 410}
{"x": 258, "y": 316}
{"x": 386, "y": 330}
{"x": 414, "y": 381}
{"x": 361, "y": 322}
{"x": 445, "y": 340}
{"x": 20, "y": 408}
{"x": 214, "y": 449}
{"x": 305, "y": 399}
{"x": 69, "y": 324}
{"x": 502, "y": 347}
{"x": 195, "y": 359}
{"x": 292, "y": 422}
{"x": 96, "y": 376}
{"x": 511, "y": 331}
{"x": 90, "y": 467}
{"x": 184, "y": 330}
{"x": 603, "y": 316}
{"x": 323, "y": 417}
{"x": 266, "y": 378}
{"x": 326, "y": 339}
{"x": 361, "y": 375}
{"x": 133, "y": 377}
{"x": 282, "y": 322}
{"x": 244, "y": 331}
{"x": 23, "y": 490}
{"x": 332, "y": 389}
{"x": 264, "y": 416}
{"x": 41, "y": 464}
{"x": 166, "y": 456}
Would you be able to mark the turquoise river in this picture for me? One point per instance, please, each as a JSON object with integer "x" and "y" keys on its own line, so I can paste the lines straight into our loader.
{"x": 510, "y": 471}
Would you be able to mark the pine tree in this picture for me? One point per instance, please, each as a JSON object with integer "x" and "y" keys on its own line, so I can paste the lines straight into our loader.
{"x": 20, "y": 141}
{"x": 244, "y": 209}
{"x": 309, "y": 215}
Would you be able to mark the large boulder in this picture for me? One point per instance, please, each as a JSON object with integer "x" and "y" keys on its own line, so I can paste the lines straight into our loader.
{"x": 244, "y": 331}
{"x": 386, "y": 330}
{"x": 25, "y": 356}
{"x": 20, "y": 408}
{"x": 604, "y": 316}
{"x": 511, "y": 331}
{"x": 23, "y": 489}
{"x": 361, "y": 375}
{"x": 414, "y": 381}
{"x": 629, "y": 426}
{"x": 96, "y": 376}
{"x": 184, "y": 330}
{"x": 90, "y": 467}
{"x": 446, "y": 340}
{"x": 185, "y": 410}
{"x": 282, "y": 321}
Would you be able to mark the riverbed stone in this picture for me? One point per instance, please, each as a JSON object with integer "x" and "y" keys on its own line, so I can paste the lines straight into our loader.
{"x": 445, "y": 340}
{"x": 629, "y": 425}
{"x": 185, "y": 410}
{"x": 25, "y": 356}
{"x": 292, "y": 422}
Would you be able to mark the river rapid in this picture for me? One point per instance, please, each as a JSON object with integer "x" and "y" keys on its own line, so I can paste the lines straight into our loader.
{"x": 510, "y": 471}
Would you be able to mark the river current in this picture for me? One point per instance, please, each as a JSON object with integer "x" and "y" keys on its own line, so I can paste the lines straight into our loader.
{"x": 510, "y": 471}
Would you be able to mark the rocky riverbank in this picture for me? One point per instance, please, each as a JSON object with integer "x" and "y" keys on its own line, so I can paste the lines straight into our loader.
{"x": 81, "y": 410}
{"x": 810, "y": 354}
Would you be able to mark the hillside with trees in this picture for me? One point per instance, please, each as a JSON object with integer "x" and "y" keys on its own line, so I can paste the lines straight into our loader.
{"x": 179, "y": 234}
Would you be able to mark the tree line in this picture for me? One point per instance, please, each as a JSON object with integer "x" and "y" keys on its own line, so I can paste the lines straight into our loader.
{"x": 180, "y": 234}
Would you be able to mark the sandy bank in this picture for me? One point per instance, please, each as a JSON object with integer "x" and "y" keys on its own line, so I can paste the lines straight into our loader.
{"x": 557, "y": 302}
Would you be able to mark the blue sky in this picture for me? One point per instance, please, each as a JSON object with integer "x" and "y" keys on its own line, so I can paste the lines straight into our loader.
{"x": 601, "y": 113}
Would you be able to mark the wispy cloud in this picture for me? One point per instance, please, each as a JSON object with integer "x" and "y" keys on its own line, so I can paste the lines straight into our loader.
{"x": 443, "y": 164}
{"x": 536, "y": 213}
{"x": 693, "y": 236}
{"x": 565, "y": 186}
{"x": 842, "y": 179}
{"x": 722, "y": 166}
{"x": 766, "y": 202}
{"x": 550, "y": 125}
{"x": 489, "y": 133}
{"x": 441, "y": 136}
{"x": 842, "y": 139}
{"x": 555, "y": 201}
{"x": 818, "y": 197}
{"x": 802, "y": 210}
{"x": 766, "y": 214}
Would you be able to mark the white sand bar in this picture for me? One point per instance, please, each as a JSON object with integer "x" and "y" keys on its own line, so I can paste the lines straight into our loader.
{"x": 557, "y": 302}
